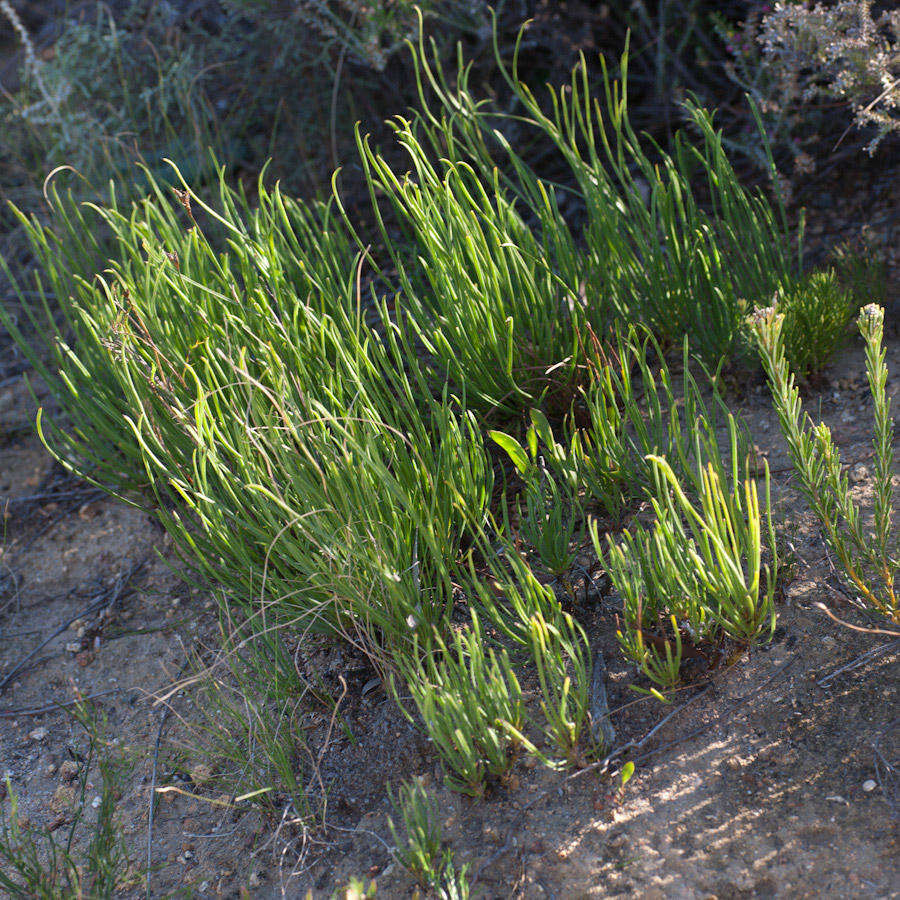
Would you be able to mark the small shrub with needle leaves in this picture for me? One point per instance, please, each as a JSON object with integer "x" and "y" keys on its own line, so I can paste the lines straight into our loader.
{"x": 869, "y": 560}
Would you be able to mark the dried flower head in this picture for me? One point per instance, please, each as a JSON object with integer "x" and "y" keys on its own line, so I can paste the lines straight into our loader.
{"x": 871, "y": 321}
{"x": 763, "y": 314}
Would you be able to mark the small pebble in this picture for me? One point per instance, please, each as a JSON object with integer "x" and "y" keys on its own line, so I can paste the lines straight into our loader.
{"x": 38, "y": 734}
{"x": 201, "y": 773}
{"x": 859, "y": 473}
{"x": 869, "y": 785}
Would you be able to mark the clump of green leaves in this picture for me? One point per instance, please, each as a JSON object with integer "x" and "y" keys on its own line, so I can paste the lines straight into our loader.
{"x": 869, "y": 561}
{"x": 638, "y": 409}
{"x": 292, "y": 449}
{"x": 635, "y": 407}
{"x": 421, "y": 849}
{"x": 357, "y": 889}
{"x": 470, "y": 701}
{"x": 493, "y": 300}
{"x": 561, "y": 653}
{"x": 549, "y": 522}
{"x": 673, "y": 238}
{"x": 588, "y": 462}
{"x": 528, "y": 613}
{"x": 248, "y": 728}
{"x": 697, "y": 574}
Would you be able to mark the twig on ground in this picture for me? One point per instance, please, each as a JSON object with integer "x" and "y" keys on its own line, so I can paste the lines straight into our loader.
{"x": 49, "y": 496}
{"x": 889, "y": 632}
{"x": 57, "y": 706}
{"x": 859, "y": 661}
{"x": 602, "y": 765}
{"x": 742, "y": 701}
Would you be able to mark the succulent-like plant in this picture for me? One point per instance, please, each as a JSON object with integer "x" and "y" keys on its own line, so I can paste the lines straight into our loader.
{"x": 697, "y": 573}
{"x": 470, "y": 703}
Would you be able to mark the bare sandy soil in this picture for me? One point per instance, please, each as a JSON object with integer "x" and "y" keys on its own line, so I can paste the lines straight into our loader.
{"x": 761, "y": 786}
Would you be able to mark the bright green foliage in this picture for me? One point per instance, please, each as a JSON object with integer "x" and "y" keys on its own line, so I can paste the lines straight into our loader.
{"x": 248, "y": 727}
{"x": 454, "y": 884}
{"x": 697, "y": 573}
{"x": 673, "y": 238}
{"x": 170, "y": 302}
{"x": 549, "y": 518}
{"x": 817, "y": 314}
{"x": 655, "y": 247}
{"x": 470, "y": 702}
{"x": 357, "y": 889}
{"x": 548, "y": 521}
{"x": 293, "y": 455}
{"x": 635, "y": 408}
{"x": 588, "y": 461}
{"x": 556, "y": 646}
{"x": 493, "y": 302}
{"x": 869, "y": 561}
{"x": 421, "y": 851}
{"x": 527, "y": 613}
{"x": 313, "y": 451}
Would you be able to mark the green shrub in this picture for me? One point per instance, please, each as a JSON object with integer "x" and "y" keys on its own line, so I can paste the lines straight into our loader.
{"x": 493, "y": 302}
{"x": 635, "y": 406}
{"x": 559, "y": 647}
{"x": 589, "y": 461}
{"x": 421, "y": 850}
{"x": 817, "y": 314}
{"x": 292, "y": 451}
{"x": 548, "y": 521}
{"x": 673, "y": 238}
{"x": 528, "y": 614}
